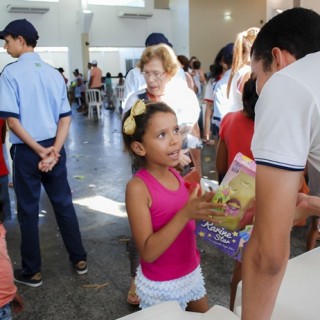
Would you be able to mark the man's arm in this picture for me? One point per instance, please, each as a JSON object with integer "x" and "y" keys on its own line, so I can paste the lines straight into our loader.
{"x": 16, "y": 127}
{"x": 207, "y": 119}
{"x": 90, "y": 79}
{"x": 222, "y": 157}
{"x": 61, "y": 135}
{"x": 62, "y": 132}
{"x": 267, "y": 253}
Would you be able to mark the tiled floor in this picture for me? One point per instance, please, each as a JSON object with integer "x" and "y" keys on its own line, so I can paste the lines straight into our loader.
{"x": 98, "y": 170}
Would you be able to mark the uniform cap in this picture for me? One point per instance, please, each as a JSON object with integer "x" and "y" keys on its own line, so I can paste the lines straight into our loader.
{"x": 21, "y": 27}
{"x": 157, "y": 38}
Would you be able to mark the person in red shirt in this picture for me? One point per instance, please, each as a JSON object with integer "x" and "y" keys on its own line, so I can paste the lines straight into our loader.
{"x": 236, "y": 131}
{"x": 4, "y": 180}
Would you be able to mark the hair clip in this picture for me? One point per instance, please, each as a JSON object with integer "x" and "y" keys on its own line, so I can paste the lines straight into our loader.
{"x": 129, "y": 126}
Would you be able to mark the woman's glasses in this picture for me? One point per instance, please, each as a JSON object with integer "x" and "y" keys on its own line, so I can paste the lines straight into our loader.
{"x": 155, "y": 74}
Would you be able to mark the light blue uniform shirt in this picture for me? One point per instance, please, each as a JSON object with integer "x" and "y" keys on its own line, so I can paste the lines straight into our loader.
{"x": 35, "y": 93}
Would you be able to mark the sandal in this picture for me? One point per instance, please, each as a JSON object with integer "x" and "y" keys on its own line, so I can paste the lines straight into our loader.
{"x": 210, "y": 142}
{"x": 132, "y": 297}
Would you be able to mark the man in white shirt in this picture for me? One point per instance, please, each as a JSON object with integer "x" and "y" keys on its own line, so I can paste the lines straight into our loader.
{"x": 285, "y": 63}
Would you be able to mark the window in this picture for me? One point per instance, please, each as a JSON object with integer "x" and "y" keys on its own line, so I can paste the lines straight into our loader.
{"x": 42, "y": 0}
{"x": 126, "y": 3}
{"x": 55, "y": 56}
{"x": 115, "y": 60}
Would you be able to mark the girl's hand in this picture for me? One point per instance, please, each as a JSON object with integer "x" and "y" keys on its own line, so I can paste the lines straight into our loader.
{"x": 201, "y": 208}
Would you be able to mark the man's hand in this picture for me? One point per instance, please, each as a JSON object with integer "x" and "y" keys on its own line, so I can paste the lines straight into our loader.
{"x": 45, "y": 152}
{"x": 306, "y": 206}
{"x": 184, "y": 159}
{"x": 49, "y": 160}
{"x": 302, "y": 210}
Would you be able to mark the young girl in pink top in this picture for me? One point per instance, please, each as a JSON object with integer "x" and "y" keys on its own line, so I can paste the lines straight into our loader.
{"x": 161, "y": 212}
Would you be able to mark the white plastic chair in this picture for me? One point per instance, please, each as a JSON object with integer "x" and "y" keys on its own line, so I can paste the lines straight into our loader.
{"x": 120, "y": 97}
{"x": 94, "y": 101}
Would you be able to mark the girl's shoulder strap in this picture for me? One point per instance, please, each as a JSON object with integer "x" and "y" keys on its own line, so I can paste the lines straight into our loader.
{"x": 176, "y": 173}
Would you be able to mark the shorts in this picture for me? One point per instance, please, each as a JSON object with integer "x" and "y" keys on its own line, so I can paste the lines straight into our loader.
{"x": 5, "y": 312}
{"x": 183, "y": 290}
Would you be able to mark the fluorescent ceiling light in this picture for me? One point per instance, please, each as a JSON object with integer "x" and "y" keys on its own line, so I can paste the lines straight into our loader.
{"x": 40, "y": 0}
{"x": 227, "y": 15}
{"x": 44, "y": 49}
{"x": 126, "y": 3}
{"x": 51, "y": 49}
{"x": 103, "y": 49}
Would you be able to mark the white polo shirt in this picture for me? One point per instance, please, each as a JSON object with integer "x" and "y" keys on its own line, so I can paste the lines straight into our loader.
{"x": 220, "y": 100}
{"x": 35, "y": 93}
{"x": 287, "y": 121}
{"x": 135, "y": 81}
{"x": 179, "y": 97}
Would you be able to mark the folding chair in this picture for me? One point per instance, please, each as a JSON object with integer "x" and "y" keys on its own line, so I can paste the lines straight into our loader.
{"x": 94, "y": 101}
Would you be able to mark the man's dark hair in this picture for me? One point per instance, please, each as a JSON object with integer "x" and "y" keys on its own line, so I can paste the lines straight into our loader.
{"x": 216, "y": 67}
{"x": 196, "y": 65}
{"x": 249, "y": 98}
{"x": 184, "y": 62}
{"x": 296, "y": 31}
{"x": 29, "y": 42}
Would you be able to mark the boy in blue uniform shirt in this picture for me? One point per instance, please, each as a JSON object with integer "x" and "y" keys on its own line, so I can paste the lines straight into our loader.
{"x": 34, "y": 101}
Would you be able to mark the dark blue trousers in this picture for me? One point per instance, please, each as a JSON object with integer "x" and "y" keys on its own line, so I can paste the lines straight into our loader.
{"x": 27, "y": 184}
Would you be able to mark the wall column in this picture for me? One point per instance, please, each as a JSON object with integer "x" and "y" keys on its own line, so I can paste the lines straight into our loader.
{"x": 85, "y": 53}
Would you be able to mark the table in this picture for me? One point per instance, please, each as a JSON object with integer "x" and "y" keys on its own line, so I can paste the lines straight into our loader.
{"x": 298, "y": 297}
{"x": 172, "y": 310}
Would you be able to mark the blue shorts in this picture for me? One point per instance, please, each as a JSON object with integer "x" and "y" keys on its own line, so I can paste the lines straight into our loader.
{"x": 5, "y": 312}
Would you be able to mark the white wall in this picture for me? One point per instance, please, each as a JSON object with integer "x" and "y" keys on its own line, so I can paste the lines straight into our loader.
{"x": 180, "y": 31}
{"x": 272, "y": 5}
{"x": 60, "y": 27}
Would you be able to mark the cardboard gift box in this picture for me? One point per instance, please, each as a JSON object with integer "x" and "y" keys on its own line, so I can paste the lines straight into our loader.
{"x": 237, "y": 191}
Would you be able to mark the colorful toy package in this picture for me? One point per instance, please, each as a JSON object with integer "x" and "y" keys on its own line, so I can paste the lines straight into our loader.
{"x": 237, "y": 192}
